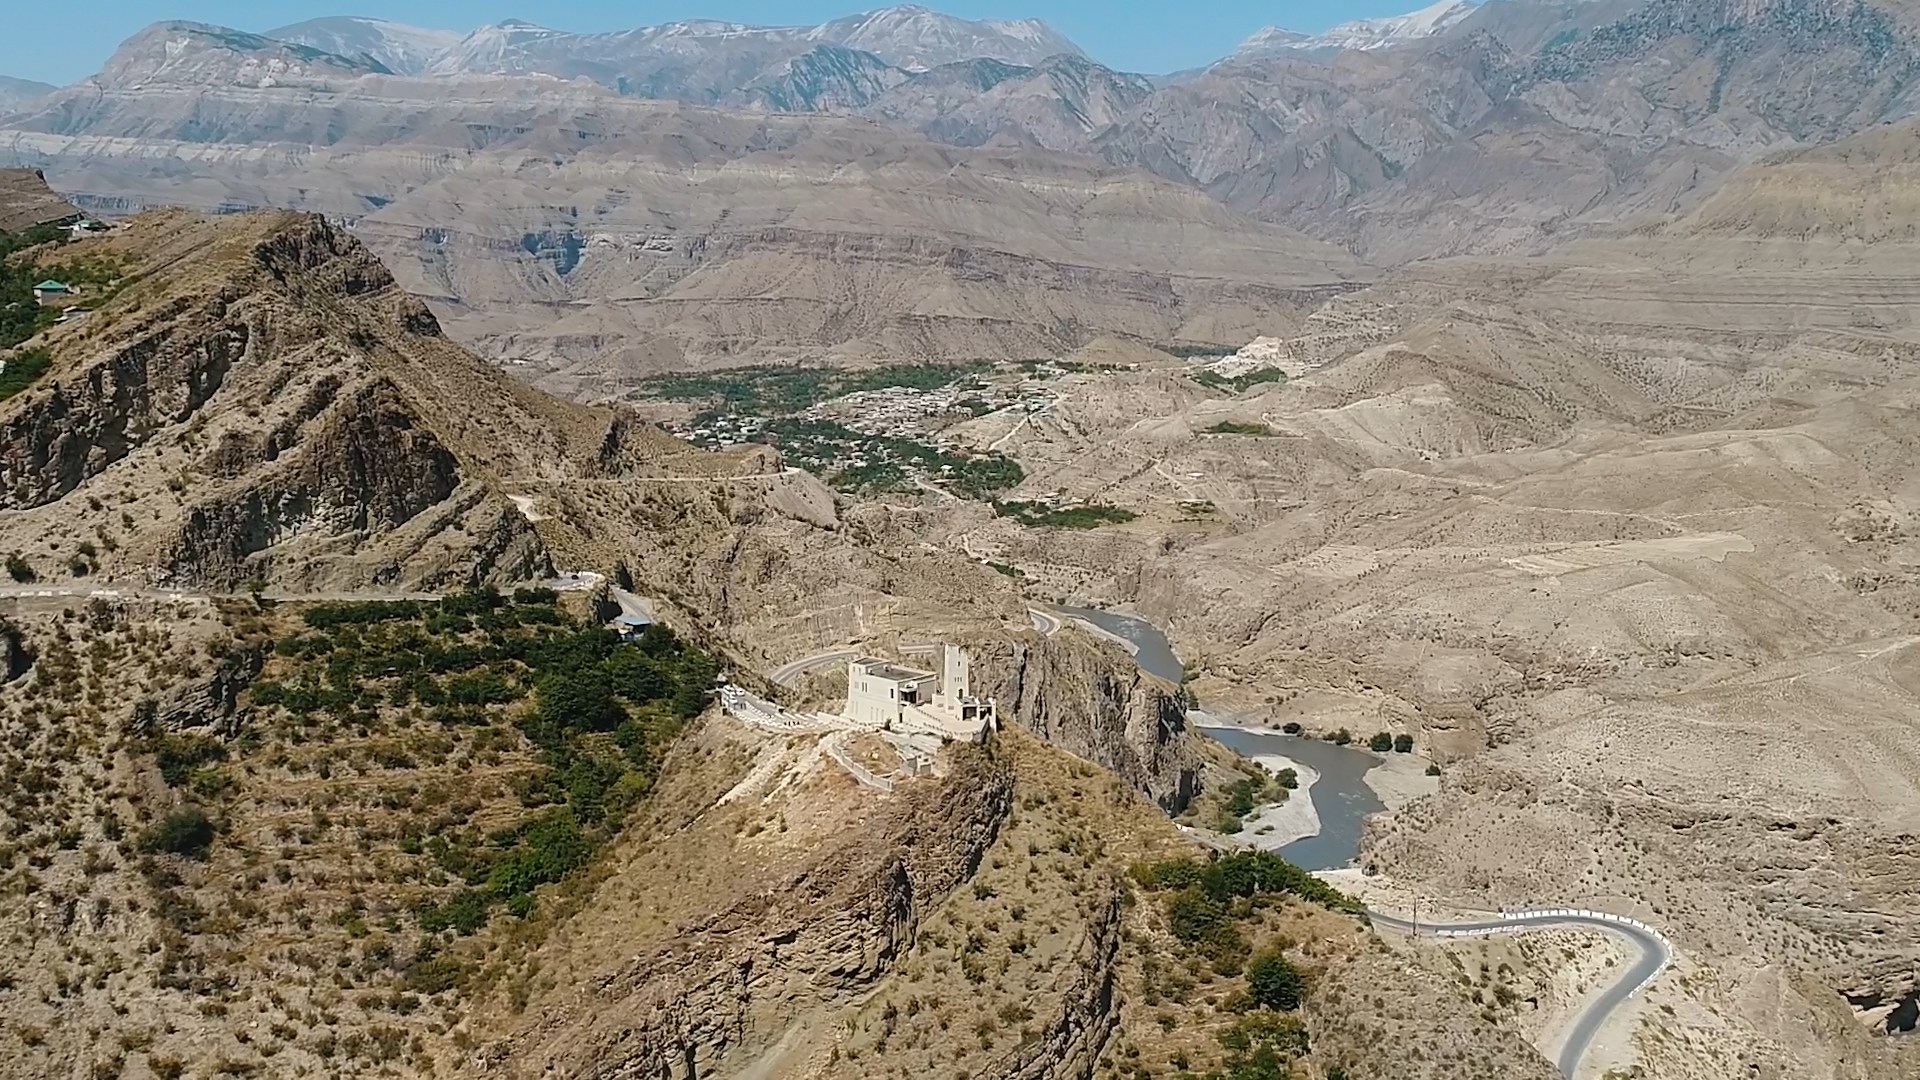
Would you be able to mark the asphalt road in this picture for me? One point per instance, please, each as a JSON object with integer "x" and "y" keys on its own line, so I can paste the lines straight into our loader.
{"x": 1654, "y": 956}
{"x": 789, "y": 673}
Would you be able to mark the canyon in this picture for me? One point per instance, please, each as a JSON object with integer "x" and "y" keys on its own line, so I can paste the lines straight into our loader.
{"x": 1573, "y": 446}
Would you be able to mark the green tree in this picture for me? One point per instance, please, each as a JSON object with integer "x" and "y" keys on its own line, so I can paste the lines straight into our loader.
{"x": 1273, "y": 981}
{"x": 638, "y": 677}
{"x": 187, "y": 831}
{"x": 548, "y": 849}
{"x": 578, "y": 700}
{"x": 1381, "y": 742}
{"x": 19, "y": 569}
{"x": 1403, "y": 744}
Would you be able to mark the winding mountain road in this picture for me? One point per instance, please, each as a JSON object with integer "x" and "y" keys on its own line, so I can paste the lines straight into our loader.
{"x": 1654, "y": 955}
{"x": 789, "y": 673}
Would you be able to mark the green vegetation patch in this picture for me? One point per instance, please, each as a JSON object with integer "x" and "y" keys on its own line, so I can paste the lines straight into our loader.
{"x": 23, "y": 264}
{"x": 1092, "y": 516}
{"x": 22, "y": 368}
{"x": 775, "y": 391}
{"x": 1257, "y": 875}
{"x": 1213, "y": 908}
{"x": 597, "y": 711}
{"x": 187, "y": 831}
{"x": 1213, "y": 380}
{"x": 857, "y": 462}
{"x": 1245, "y": 795}
{"x": 1236, "y": 427}
{"x": 1189, "y": 350}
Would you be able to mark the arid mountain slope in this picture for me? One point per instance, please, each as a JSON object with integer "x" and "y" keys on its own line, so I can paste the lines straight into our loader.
{"x": 603, "y": 237}
{"x": 17, "y": 93}
{"x": 1622, "y": 535}
{"x": 259, "y": 401}
{"x": 1059, "y": 103}
{"x": 361, "y": 835}
{"x": 1467, "y": 143}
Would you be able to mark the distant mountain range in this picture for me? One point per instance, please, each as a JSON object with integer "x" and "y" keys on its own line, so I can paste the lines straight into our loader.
{"x": 710, "y": 60}
{"x": 1455, "y": 128}
{"x": 17, "y": 92}
{"x": 688, "y": 59}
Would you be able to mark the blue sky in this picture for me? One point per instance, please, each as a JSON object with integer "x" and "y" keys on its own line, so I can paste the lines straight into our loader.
{"x": 65, "y": 41}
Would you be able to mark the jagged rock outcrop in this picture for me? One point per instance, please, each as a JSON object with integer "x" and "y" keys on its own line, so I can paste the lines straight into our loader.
{"x": 273, "y": 413}
{"x": 1091, "y": 700}
{"x": 1069, "y": 1046}
{"x": 26, "y": 201}
{"x": 213, "y": 701}
{"x": 830, "y": 930}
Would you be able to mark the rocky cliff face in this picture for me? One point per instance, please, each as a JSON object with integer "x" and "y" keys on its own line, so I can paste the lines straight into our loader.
{"x": 1090, "y": 700}
{"x": 248, "y": 420}
{"x": 827, "y": 932}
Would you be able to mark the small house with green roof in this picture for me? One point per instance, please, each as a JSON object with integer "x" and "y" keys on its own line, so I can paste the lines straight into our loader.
{"x": 51, "y": 292}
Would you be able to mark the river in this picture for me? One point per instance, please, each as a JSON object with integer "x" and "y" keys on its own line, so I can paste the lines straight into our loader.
{"x": 1340, "y": 797}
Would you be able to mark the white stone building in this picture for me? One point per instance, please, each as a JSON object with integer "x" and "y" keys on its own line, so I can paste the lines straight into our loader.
{"x": 885, "y": 696}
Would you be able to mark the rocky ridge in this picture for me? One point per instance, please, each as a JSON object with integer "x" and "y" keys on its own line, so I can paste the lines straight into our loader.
{"x": 281, "y": 413}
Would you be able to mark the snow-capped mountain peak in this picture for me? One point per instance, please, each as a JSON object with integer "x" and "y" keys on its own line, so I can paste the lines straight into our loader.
{"x": 402, "y": 49}
{"x": 1362, "y": 34}
{"x": 918, "y": 38}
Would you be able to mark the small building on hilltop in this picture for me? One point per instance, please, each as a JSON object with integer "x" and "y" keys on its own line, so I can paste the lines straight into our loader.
{"x": 885, "y": 696}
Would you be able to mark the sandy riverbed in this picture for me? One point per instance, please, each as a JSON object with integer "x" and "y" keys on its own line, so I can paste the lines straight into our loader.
{"x": 1401, "y": 778}
{"x": 1272, "y": 827}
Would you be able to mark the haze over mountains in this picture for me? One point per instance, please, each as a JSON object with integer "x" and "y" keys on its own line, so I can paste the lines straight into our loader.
{"x": 1505, "y": 127}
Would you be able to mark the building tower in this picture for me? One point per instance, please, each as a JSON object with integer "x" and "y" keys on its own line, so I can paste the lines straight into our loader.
{"x": 954, "y": 691}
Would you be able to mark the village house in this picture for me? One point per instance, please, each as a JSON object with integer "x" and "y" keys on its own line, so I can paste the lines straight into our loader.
{"x": 50, "y": 292}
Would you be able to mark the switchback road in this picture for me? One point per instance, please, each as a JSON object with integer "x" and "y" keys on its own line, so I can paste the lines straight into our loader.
{"x": 1654, "y": 955}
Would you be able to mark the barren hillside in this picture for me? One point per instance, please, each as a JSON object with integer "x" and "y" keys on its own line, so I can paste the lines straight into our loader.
{"x": 1621, "y": 536}
{"x": 268, "y": 816}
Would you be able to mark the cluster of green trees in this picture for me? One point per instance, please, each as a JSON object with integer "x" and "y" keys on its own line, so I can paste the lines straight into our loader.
{"x": 776, "y": 391}
{"x": 1203, "y": 894}
{"x": 1077, "y": 517}
{"x": 597, "y": 710}
{"x": 23, "y": 368}
{"x": 1208, "y": 905}
{"x": 1262, "y": 1044}
{"x": 1238, "y": 427}
{"x": 1239, "y": 383}
{"x": 1385, "y": 741}
{"x": 973, "y": 476}
{"x": 1246, "y": 794}
{"x": 21, "y": 316}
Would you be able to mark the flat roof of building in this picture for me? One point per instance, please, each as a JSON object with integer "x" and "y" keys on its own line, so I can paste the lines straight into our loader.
{"x": 886, "y": 669}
